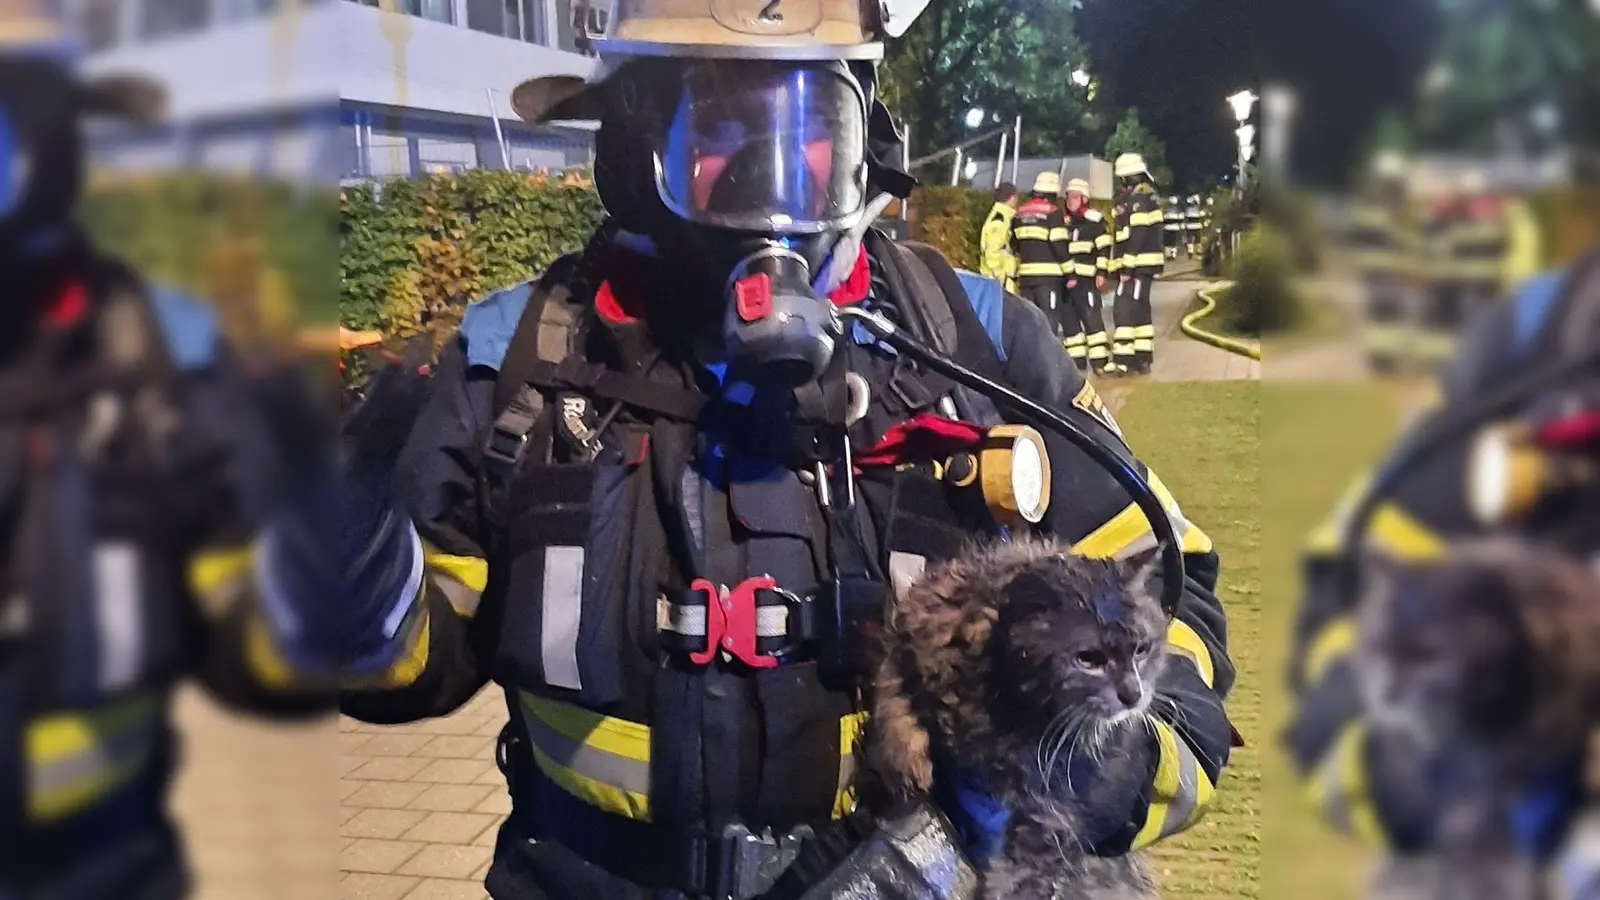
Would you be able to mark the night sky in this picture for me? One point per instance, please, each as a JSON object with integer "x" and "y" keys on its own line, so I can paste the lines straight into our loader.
{"x": 1177, "y": 61}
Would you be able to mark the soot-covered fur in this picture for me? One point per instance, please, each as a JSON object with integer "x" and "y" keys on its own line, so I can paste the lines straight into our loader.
{"x": 1479, "y": 678}
{"x": 1028, "y": 667}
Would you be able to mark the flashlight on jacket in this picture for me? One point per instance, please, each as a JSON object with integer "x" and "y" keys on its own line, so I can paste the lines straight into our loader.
{"x": 1011, "y": 470}
{"x": 1513, "y": 467}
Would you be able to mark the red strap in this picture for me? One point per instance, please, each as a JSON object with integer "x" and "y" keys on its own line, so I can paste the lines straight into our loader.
{"x": 924, "y": 437}
{"x": 68, "y": 307}
{"x": 1578, "y": 430}
{"x": 855, "y": 288}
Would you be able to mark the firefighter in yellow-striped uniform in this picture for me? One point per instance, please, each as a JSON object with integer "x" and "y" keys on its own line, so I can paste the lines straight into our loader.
{"x": 1041, "y": 239}
{"x": 1172, "y": 229}
{"x": 998, "y": 260}
{"x": 1384, "y": 249}
{"x": 1089, "y": 346}
{"x": 1193, "y": 223}
{"x": 1136, "y": 260}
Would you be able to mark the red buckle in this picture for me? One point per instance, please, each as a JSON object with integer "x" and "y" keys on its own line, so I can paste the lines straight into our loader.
{"x": 731, "y": 621}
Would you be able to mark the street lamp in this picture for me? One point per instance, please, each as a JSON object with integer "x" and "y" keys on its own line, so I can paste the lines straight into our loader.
{"x": 974, "y": 117}
{"x": 1080, "y": 77}
{"x": 972, "y": 169}
{"x": 1242, "y": 103}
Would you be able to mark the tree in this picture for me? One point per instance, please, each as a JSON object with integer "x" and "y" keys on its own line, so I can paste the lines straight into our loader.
{"x": 1132, "y": 136}
{"x": 1007, "y": 57}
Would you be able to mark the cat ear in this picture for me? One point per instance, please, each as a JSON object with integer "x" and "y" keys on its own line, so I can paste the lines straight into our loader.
{"x": 1144, "y": 565}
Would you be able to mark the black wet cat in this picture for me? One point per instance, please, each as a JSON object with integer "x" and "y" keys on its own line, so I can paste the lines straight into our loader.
{"x": 1018, "y": 664}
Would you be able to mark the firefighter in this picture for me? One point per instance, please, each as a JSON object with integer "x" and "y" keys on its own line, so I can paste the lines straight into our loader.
{"x": 1172, "y": 229}
{"x": 1089, "y": 346}
{"x": 629, "y": 494}
{"x": 147, "y": 482}
{"x": 1136, "y": 259}
{"x": 1384, "y": 251}
{"x": 1193, "y": 224}
{"x": 1039, "y": 234}
{"x": 999, "y": 262}
{"x": 1521, "y": 467}
{"x": 1468, "y": 245}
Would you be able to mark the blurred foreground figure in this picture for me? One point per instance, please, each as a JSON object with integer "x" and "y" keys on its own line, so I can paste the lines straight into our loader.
{"x": 137, "y": 468}
{"x": 1523, "y": 467}
{"x": 1382, "y": 243}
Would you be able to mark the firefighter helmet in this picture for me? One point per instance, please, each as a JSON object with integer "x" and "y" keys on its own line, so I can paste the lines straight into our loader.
{"x": 1078, "y": 186}
{"x": 1129, "y": 164}
{"x": 1047, "y": 183}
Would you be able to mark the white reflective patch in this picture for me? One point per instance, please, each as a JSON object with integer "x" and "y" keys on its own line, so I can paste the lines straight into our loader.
{"x": 117, "y": 614}
{"x": 904, "y": 571}
{"x": 561, "y": 612}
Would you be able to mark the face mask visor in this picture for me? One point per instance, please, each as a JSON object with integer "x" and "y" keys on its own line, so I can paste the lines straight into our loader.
{"x": 771, "y": 148}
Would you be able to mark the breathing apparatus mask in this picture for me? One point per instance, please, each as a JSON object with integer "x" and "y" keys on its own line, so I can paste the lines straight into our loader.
{"x": 757, "y": 175}
{"x": 42, "y": 102}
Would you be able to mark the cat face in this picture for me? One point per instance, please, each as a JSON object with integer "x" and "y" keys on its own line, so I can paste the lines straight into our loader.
{"x": 1441, "y": 654}
{"x": 1080, "y": 637}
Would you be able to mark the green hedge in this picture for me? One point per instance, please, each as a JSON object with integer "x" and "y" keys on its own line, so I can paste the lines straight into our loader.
{"x": 1263, "y": 298}
{"x": 950, "y": 219}
{"x": 414, "y": 252}
{"x": 264, "y": 252}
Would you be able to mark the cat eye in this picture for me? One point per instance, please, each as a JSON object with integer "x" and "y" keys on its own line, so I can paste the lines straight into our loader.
{"x": 1091, "y": 659}
{"x": 1145, "y": 648}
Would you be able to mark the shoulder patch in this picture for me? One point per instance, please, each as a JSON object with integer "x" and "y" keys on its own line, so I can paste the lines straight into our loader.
{"x": 1535, "y": 301}
{"x": 988, "y": 299}
{"x": 188, "y": 326}
{"x": 1088, "y": 400}
{"x": 488, "y": 325}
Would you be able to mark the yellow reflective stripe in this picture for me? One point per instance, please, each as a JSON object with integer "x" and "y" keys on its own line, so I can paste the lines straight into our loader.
{"x": 1391, "y": 530}
{"x": 214, "y": 574}
{"x": 1180, "y": 794}
{"x": 601, "y": 760}
{"x": 1032, "y": 233}
{"x": 605, "y": 761}
{"x": 1338, "y": 786}
{"x": 1332, "y": 643}
{"x": 1080, "y": 247}
{"x": 1049, "y": 268}
{"x": 1085, "y": 269}
{"x": 1140, "y": 219}
{"x": 850, "y": 728}
{"x": 76, "y": 758}
{"x": 1153, "y": 258}
{"x": 1194, "y": 539}
{"x": 1060, "y": 234}
{"x": 1184, "y": 640}
{"x": 1123, "y": 233}
{"x": 461, "y": 578}
{"x": 1103, "y": 240}
{"x": 1103, "y": 262}
{"x": 405, "y": 671}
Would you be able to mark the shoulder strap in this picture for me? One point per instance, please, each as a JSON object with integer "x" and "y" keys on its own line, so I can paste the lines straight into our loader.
{"x": 544, "y": 333}
{"x": 973, "y": 347}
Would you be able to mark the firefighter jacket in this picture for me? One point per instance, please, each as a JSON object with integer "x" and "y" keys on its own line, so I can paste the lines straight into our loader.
{"x": 130, "y": 544}
{"x": 1382, "y": 240}
{"x": 594, "y": 600}
{"x": 1136, "y": 247}
{"x": 1469, "y": 246}
{"x": 1091, "y": 244}
{"x": 998, "y": 260}
{"x": 1042, "y": 241}
{"x": 1327, "y": 737}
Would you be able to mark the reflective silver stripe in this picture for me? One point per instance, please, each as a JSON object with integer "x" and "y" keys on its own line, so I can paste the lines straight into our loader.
{"x": 1183, "y": 806}
{"x": 684, "y": 619}
{"x": 1146, "y": 331}
{"x": 463, "y": 600}
{"x": 118, "y": 579}
{"x": 560, "y": 614}
{"x": 904, "y": 570}
{"x": 772, "y": 621}
{"x": 1331, "y": 795}
{"x": 586, "y": 760}
{"x": 126, "y": 750}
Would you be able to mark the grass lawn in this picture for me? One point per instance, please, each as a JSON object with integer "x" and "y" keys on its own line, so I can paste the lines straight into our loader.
{"x": 1203, "y": 439}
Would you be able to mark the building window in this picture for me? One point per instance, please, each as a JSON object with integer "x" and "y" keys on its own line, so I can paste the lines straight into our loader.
{"x": 99, "y": 22}
{"x": 432, "y": 10}
{"x": 170, "y": 17}
{"x": 445, "y": 155}
{"x": 522, "y": 20}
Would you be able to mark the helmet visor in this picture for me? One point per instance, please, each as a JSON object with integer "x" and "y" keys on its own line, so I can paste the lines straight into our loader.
{"x": 768, "y": 147}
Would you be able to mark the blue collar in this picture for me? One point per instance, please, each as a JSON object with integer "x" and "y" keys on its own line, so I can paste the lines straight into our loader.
{"x": 979, "y": 818}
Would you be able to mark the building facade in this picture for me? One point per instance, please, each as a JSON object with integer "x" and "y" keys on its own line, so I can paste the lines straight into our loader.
{"x": 336, "y": 89}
